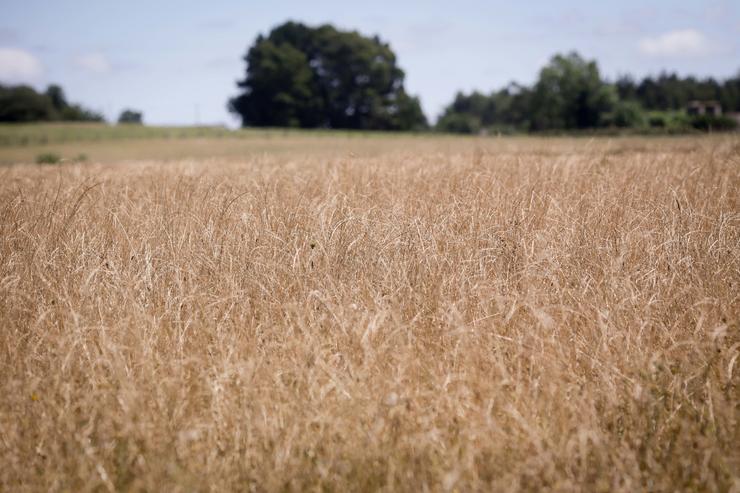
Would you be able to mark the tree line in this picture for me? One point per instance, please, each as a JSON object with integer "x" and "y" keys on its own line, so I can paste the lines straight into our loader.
{"x": 20, "y": 104}
{"x": 570, "y": 94}
{"x": 301, "y": 76}
{"x": 323, "y": 77}
{"x": 23, "y": 104}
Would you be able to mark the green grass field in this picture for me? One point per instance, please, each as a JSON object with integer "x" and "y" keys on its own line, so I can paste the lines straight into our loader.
{"x": 101, "y": 143}
{"x": 106, "y": 143}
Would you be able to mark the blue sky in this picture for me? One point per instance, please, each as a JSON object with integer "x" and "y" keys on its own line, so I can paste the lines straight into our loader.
{"x": 178, "y": 61}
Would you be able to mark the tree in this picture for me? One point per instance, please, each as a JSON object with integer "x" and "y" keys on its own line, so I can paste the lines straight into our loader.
{"x": 24, "y": 104}
{"x": 58, "y": 100}
{"x": 507, "y": 110}
{"x": 278, "y": 89}
{"x": 20, "y": 104}
{"x": 459, "y": 123}
{"x": 626, "y": 114}
{"x": 131, "y": 117}
{"x": 301, "y": 76}
{"x": 730, "y": 98}
{"x": 626, "y": 88}
{"x": 570, "y": 95}
{"x": 671, "y": 92}
{"x": 76, "y": 113}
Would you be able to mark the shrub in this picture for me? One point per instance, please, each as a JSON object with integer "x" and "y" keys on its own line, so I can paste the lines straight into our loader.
{"x": 710, "y": 123}
{"x": 459, "y": 123}
{"x": 626, "y": 114}
{"x": 131, "y": 117}
{"x": 657, "y": 120}
{"x": 48, "y": 158}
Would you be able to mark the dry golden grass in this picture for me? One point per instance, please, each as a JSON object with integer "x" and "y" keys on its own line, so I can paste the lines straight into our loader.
{"x": 469, "y": 315}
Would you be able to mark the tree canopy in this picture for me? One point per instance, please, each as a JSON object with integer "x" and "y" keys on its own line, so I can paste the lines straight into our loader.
{"x": 671, "y": 92}
{"x": 129, "y": 116}
{"x": 24, "y": 104}
{"x": 302, "y": 76}
{"x": 570, "y": 94}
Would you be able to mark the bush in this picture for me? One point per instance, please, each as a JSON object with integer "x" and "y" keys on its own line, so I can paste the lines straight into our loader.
{"x": 459, "y": 123}
{"x": 626, "y": 114}
{"x": 131, "y": 117}
{"x": 710, "y": 123}
{"x": 669, "y": 121}
{"x": 657, "y": 120}
{"x": 48, "y": 158}
{"x": 679, "y": 121}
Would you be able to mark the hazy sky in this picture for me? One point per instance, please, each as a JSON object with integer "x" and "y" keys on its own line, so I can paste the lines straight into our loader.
{"x": 178, "y": 61}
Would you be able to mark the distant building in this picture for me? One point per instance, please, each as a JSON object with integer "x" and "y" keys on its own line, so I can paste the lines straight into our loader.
{"x": 711, "y": 108}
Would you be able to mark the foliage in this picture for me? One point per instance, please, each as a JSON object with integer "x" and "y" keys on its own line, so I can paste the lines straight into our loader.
{"x": 48, "y": 158}
{"x": 671, "y": 92}
{"x": 23, "y": 104}
{"x": 671, "y": 121}
{"x": 69, "y": 112}
{"x": 76, "y": 113}
{"x": 131, "y": 117}
{"x": 508, "y": 108}
{"x": 460, "y": 122}
{"x": 657, "y": 119}
{"x": 626, "y": 114}
{"x": 713, "y": 123}
{"x": 570, "y": 95}
{"x": 300, "y": 76}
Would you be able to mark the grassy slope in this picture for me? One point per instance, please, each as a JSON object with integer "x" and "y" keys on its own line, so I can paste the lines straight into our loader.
{"x": 518, "y": 314}
{"x": 105, "y": 143}
{"x": 109, "y": 143}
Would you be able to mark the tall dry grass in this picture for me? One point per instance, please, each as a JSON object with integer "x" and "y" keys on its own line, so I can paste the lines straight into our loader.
{"x": 426, "y": 320}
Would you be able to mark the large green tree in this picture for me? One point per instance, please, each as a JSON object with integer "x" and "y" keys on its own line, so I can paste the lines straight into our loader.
{"x": 570, "y": 94}
{"x": 302, "y": 76}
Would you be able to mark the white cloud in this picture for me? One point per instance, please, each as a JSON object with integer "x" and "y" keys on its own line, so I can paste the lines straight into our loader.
{"x": 97, "y": 63}
{"x": 685, "y": 42}
{"x": 19, "y": 66}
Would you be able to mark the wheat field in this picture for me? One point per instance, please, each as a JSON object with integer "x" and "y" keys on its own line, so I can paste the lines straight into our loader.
{"x": 399, "y": 314}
